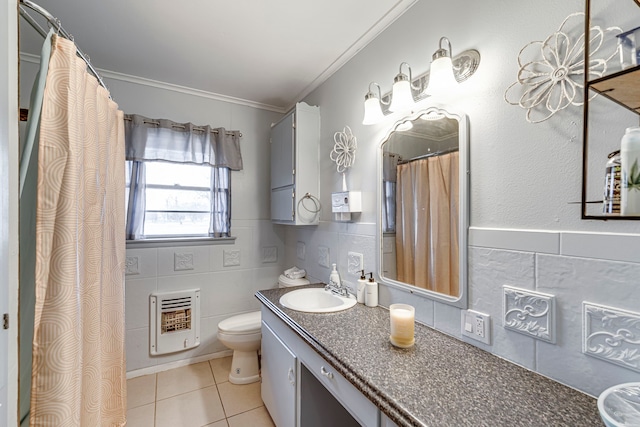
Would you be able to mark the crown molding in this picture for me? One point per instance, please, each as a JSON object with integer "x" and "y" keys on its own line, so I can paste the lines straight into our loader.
{"x": 27, "y": 57}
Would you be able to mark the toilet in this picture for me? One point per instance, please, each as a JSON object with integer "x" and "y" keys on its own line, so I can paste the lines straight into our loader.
{"x": 242, "y": 334}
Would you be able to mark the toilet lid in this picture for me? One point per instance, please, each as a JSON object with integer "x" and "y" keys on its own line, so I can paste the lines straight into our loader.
{"x": 242, "y": 323}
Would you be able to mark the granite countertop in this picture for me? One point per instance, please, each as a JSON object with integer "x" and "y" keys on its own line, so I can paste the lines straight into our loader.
{"x": 440, "y": 381}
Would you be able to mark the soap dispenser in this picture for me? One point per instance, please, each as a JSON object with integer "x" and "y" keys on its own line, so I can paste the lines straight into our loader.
{"x": 334, "y": 277}
{"x": 362, "y": 284}
{"x": 371, "y": 293}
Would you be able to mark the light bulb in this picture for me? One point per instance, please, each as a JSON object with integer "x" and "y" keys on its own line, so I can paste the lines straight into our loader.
{"x": 401, "y": 97}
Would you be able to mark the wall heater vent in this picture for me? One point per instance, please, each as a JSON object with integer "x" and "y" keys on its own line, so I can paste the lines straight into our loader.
{"x": 174, "y": 321}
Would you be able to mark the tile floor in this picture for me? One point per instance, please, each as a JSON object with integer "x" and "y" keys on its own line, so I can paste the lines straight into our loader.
{"x": 195, "y": 396}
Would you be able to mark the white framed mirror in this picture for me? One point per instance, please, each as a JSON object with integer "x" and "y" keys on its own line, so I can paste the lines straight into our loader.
{"x": 423, "y": 205}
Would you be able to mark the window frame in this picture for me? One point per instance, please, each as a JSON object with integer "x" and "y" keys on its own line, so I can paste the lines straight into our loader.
{"x": 162, "y": 240}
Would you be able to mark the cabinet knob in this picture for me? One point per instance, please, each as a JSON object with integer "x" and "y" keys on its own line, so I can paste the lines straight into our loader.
{"x": 326, "y": 373}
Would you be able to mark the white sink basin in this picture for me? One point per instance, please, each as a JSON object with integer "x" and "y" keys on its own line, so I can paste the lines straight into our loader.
{"x": 316, "y": 300}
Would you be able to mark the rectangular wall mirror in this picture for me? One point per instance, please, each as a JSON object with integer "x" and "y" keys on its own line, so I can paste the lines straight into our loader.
{"x": 423, "y": 207}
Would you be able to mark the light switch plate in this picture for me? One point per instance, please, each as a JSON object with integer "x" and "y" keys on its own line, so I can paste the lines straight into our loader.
{"x": 476, "y": 325}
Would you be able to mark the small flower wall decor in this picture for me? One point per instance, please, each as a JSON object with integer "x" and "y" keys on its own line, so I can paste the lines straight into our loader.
{"x": 344, "y": 150}
{"x": 554, "y": 78}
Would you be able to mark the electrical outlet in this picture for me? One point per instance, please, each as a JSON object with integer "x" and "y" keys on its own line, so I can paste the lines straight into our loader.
{"x": 479, "y": 327}
{"x": 476, "y": 325}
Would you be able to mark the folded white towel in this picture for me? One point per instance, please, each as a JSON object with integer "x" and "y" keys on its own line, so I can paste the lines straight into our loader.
{"x": 295, "y": 273}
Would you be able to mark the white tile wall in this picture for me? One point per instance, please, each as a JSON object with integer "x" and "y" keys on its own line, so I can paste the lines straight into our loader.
{"x": 224, "y": 291}
{"x": 573, "y": 267}
{"x": 489, "y": 270}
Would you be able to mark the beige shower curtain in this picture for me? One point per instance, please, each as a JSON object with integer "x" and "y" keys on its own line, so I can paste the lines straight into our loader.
{"x": 78, "y": 346}
{"x": 427, "y": 223}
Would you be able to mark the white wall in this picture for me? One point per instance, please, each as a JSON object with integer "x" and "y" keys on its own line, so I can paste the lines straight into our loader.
{"x": 526, "y": 233}
{"x": 225, "y": 290}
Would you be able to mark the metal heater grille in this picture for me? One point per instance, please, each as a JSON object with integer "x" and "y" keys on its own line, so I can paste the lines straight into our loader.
{"x": 176, "y": 314}
{"x": 174, "y": 321}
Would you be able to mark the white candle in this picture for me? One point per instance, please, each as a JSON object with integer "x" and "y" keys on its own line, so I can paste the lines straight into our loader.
{"x": 402, "y": 325}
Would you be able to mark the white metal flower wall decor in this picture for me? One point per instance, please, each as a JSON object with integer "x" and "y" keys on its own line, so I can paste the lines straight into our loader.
{"x": 344, "y": 149}
{"x": 551, "y": 73}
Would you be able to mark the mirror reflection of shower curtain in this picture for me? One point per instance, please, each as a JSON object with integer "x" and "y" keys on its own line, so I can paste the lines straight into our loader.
{"x": 79, "y": 367}
{"x": 427, "y": 207}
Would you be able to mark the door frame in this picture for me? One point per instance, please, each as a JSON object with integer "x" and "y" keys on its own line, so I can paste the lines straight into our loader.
{"x": 9, "y": 198}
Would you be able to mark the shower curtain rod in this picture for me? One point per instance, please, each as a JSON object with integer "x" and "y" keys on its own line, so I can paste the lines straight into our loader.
{"x": 424, "y": 156}
{"x": 55, "y": 22}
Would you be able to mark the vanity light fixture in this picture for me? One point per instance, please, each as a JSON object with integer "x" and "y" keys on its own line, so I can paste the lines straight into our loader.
{"x": 441, "y": 78}
{"x": 446, "y": 72}
{"x": 401, "y": 95}
{"x": 372, "y": 108}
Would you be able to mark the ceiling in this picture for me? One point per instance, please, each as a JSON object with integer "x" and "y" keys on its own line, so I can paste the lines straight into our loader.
{"x": 267, "y": 53}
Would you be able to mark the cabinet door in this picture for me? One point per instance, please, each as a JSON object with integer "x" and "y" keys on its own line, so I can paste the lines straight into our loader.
{"x": 282, "y": 152}
{"x": 282, "y": 209}
{"x": 279, "y": 375}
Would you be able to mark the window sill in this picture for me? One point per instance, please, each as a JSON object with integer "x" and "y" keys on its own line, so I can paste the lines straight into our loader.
{"x": 179, "y": 241}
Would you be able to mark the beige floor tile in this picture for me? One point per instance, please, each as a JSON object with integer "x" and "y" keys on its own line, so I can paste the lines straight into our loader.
{"x": 239, "y": 398}
{"x": 222, "y": 423}
{"x": 193, "y": 409}
{"x": 142, "y": 416}
{"x": 258, "y": 417}
{"x": 184, "y": 379}
{"x": 221, "y": 368}
{"x": 141, "y": 391}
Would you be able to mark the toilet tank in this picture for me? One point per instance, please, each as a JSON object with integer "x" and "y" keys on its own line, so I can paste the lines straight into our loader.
{"x": 285, "y": 282}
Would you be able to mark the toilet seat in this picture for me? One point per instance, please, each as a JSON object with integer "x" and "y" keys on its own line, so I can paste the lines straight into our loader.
{"x": 241, "y": 324}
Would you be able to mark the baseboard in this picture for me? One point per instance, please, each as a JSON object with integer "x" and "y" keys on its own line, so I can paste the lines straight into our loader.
{"x": 177, "y": 364}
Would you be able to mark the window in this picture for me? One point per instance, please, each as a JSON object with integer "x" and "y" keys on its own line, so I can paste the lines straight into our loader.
{"x": 178, "y": 178}
{"x": 184, "y": 200}
{"x": 388, "y": 207}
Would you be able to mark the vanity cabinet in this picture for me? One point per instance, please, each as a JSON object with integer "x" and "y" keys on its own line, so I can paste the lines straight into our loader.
{"x": 295, "y": 179}
{"x": 621, "y": 90}
{"x": 322, "y": 396}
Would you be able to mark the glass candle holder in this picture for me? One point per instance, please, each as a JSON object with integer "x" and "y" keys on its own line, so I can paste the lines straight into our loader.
{"x": 402, "y": 325}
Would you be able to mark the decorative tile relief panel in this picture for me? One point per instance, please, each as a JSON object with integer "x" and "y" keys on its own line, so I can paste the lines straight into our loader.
{"x": 611, "y": 334}
{"x": 131, "y": 266}
{"x": 355, "y": 263}
{"x": 300, "y": 250}
{"x": 231, "y": 257}
{"x": 270, "y": 254}
{"x": 182, "y": 261}
{"x": 530, "y": 313}
{"x": 323, "y": 256}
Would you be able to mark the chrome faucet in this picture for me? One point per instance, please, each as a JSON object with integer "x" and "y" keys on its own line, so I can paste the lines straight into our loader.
{"x": 338, "y": 289}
